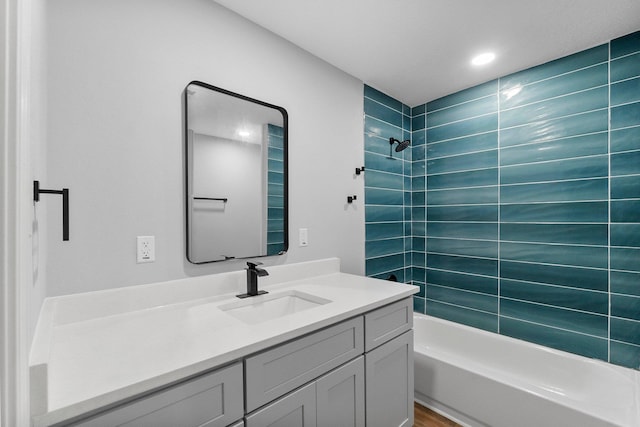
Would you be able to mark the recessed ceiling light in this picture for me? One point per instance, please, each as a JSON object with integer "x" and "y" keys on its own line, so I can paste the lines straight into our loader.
{"x": 483, "y": 58}
{"x": 244, "y": 133}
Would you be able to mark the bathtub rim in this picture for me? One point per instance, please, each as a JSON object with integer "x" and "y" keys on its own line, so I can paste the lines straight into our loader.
{"x": 510, "y": 380}
{"x": 550, "y": 350}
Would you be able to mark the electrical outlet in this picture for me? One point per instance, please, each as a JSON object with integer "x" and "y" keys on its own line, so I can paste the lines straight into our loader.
{"x": 146, "y": 249}
{"x": 304, "y": 237}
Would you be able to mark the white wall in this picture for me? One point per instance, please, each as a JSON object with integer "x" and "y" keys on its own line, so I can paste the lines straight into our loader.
{"x": 36, "y": 133}
{"x": 116, "y": 72}
{"x": 233, "y": 170}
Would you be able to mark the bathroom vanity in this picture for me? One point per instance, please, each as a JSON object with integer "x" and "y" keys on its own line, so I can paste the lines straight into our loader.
{"x": 321, "y": 348}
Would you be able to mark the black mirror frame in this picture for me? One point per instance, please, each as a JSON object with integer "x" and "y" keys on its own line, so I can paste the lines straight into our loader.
{"x": 285, "y": 117}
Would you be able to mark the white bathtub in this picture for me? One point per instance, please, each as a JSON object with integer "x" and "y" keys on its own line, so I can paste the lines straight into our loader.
{"x": 479, "y": 378}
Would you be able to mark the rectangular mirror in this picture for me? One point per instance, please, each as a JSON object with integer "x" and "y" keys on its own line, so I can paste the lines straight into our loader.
{"x": 236, "y": 175}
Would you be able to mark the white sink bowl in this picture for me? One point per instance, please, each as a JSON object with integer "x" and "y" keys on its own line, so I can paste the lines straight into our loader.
{"x": 272, "y": 306}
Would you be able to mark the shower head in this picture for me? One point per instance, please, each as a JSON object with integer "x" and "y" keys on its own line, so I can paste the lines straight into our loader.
{"x": 401, "y": 144}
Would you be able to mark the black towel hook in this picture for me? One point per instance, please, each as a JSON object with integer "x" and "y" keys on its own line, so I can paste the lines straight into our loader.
{"x": 65, "y": 205}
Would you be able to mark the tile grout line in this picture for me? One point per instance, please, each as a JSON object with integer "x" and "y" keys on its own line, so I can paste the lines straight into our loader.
{"x": 381, "y": 121}
{"x": 541, "y": 202}
{"x": 499, "y": 275}
{"x": 556, "y": 328}
{"x": 559, "y": 307}
{"x": 407, "y": 171}
{"x": 365, "y": 96}
{"x": 609, "y": 207}
{"x": 426, "y": 203}
{"x": 555, "y": 97}
{"x": 510, "y": 109}
{"x": 522, "y": 242}
{"x": 528, "y": 84}
{"x": 383, "y": 105}
{"x": 555, "y": 285}
{"x": 404, "y": 205}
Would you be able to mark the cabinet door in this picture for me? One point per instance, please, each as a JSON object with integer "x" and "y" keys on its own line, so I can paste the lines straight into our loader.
{"x": 340, "y": 396}
{"x": 275, "y": 372}
{"x": 389, "y": 383}
{"x": 238, "y": 424}
{"x": 211, "y": 400}
{"x": 297, "y": 409}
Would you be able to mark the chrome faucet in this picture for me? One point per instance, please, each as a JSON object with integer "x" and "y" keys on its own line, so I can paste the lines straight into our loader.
{"x": 253, "y": 272}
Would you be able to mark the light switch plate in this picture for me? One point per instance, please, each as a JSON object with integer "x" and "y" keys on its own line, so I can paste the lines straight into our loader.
{"x": 304, "y": 237}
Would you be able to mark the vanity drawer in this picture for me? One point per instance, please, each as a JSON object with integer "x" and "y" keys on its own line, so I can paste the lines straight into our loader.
{"x": 275, "y": 372}
{"x": 387, "y": 322}
{"x": 211, "y": 400}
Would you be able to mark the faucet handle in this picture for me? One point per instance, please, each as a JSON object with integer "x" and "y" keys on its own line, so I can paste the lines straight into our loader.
{"x": 252, "y": 279}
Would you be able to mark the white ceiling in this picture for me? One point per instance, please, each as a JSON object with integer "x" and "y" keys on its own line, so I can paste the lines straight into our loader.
{"x": 420, "y": 50}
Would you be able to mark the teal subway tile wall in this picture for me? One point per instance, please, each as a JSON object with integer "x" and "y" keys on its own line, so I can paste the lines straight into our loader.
{"x": 524, "y": 213}
{"x": 624, "y": 199}
{"x": 387, "y": 193}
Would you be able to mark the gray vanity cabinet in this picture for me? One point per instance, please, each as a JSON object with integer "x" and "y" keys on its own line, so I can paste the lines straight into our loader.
{"x": 211, "y": 400}
{"x": 389, "y": 365}
{"x": 355, "y": 373}
{"x": 324, "y": 360}
{"x": 389, "y": 383}
{"x": 332, "y": 366}
{"x": 340, "y": 397}
{"x": 333, "y": 400}
{"x": 388, "y": 322}
{"x": 297, "y": 409}
{"x": 273, "y": 373}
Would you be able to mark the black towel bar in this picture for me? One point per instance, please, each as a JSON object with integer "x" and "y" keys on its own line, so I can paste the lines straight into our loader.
{"x": 37, "y": 191}
{"x": 221, "y": 199}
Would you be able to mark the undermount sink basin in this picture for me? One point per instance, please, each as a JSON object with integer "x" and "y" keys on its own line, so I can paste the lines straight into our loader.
{"x": 272, "y": 306}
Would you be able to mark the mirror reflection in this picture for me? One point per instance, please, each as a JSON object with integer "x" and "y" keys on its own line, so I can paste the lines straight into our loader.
{"x": 236, "y": 175}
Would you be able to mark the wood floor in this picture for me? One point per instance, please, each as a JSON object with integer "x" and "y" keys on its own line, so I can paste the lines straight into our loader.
{"x": 425, "y": 417}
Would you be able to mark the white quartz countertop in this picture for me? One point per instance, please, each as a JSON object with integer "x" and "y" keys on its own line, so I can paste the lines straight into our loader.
{"x": 92, "y": 362}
